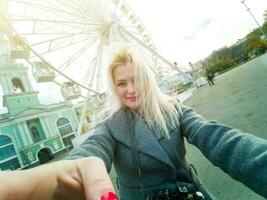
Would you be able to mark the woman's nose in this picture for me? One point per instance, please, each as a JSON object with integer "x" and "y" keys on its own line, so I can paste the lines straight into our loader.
{"x": 131, "y": 88}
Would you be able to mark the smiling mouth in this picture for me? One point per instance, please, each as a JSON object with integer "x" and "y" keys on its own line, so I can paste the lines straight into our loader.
{"x": 132, "y": 98}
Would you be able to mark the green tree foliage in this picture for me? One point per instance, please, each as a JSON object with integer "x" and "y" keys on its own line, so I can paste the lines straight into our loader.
{"x": 220, "y": 65}
{"x": 219, "y": 60}
{"x": 226, "y": 57}
{"x": 254, "y": 44}
{"x": 264, "y": 26}
{"x": 222, "y": 53}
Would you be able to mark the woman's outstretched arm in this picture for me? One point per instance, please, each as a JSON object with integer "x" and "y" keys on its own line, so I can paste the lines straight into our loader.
{"x": 241, "y": 155}
{"x": 85, "y": 178}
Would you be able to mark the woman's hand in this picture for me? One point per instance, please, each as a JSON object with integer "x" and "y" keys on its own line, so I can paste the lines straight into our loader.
{"x": 85, "y": 178}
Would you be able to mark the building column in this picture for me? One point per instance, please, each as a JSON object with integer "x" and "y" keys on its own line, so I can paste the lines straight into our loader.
{"x": 44, "y": 126}
{"x": 23, "y": 135}
{"x": 50, "y": 127}
{"x": 9, "y": 86}
{"x": 28, "y": 83}
{"x": 27, "y": 133}
{"x": 3, "y": 84}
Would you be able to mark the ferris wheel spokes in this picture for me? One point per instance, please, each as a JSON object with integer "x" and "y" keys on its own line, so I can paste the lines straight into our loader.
{"x": 76, "y": 39}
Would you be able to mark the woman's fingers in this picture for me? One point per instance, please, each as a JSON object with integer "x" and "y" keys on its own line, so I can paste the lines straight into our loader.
{"x": 96, "y": 181}
{"x": 69, "y": 187}
{"x": 68, "y": 180}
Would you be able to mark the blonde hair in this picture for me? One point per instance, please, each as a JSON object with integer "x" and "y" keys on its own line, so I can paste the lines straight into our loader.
{"x": 159, "y": 110}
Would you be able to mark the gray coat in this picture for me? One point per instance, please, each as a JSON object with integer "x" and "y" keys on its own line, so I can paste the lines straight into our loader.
{"x": 162, "y": 160}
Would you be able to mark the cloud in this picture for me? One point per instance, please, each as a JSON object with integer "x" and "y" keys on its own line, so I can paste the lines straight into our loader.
{"x": 190, "y": 37}
{"x": 204, "y": 25}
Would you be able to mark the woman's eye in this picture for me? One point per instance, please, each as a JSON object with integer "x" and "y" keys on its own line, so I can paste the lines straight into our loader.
{"x": 121, "y": 84}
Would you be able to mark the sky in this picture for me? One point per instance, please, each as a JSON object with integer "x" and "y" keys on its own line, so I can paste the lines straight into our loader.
{"x": 189, "y": 30}
{"x": 185, "y": 30}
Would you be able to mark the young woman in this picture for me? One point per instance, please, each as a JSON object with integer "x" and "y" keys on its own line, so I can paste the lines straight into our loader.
{"x": 143, "y": 137}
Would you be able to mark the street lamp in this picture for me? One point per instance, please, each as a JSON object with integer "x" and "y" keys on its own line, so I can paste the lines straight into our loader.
{"x": 248, "y": 9}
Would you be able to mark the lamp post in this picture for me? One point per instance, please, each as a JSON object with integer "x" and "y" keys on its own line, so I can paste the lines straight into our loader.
{"x": 248, "y": 9}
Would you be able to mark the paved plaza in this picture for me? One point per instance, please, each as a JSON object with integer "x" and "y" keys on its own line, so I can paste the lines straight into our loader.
{"x": 238, "y": 99}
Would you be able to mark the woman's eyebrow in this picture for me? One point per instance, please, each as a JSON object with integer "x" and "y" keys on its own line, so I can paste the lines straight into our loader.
{"x": 120, "y": 80}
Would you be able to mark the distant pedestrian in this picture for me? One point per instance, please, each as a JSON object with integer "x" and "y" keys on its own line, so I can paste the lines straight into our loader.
{"x": 210, "y": 78}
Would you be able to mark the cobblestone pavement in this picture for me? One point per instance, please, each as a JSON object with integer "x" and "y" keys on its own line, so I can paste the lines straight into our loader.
{"x": 238, "y": 99}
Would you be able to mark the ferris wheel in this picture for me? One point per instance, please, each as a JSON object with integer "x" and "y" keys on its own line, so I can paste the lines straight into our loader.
{"x": 72, "y": 42}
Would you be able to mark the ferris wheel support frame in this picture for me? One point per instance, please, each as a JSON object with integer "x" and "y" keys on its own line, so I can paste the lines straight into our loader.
{"x": 84, "y": 107}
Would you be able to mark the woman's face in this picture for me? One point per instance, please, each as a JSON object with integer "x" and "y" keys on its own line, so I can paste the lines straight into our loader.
{"x": 125, "y": 87}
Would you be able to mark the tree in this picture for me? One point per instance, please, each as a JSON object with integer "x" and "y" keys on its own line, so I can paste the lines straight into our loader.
{"x": 220, "y": 54}
{"x": 225, "y": 57}
{"x": 254, "y": 44}
{"x": 220, "y": 65}
{"x": 264, "y": 26}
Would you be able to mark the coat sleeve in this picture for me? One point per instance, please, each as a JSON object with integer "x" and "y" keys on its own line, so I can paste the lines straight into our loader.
{"x": 241, "y": 155}
{"x": 100, "y": 143}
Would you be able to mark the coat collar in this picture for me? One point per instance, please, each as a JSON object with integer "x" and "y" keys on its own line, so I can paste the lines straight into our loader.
{"x": 147, "y": 143}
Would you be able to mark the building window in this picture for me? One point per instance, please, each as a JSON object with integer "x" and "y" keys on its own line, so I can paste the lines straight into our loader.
{"x": 8, "y": 156}
{"x": 35, "y": 134}
{"x": 10, "y": 164}
{"x": 62, "y": 121}
{"x": 4, "y": 140}
{"x": 67, "y": 140}
{"x": 64, "y": 126}
{"x": 36, "y": 130}
{"x": 17, "y": 85}
{"x": 7, "y": 151}
{"x": 65, "y": 130}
